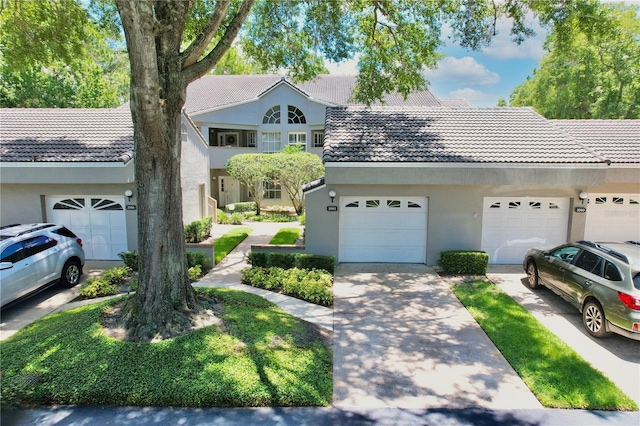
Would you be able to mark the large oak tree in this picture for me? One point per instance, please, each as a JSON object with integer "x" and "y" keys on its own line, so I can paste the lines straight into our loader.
{"x": 172, "y": 43}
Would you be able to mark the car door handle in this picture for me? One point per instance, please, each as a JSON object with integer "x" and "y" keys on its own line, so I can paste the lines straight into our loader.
{"x": 588, "y": 282}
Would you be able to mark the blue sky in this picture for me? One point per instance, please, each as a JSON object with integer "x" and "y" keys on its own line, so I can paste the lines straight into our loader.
{"x": 480, "y": 77}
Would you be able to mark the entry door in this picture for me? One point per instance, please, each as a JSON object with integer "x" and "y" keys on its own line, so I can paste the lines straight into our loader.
{"x": 229, "y": 189}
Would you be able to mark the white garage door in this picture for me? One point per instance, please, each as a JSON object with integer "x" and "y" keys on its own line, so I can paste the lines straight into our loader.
{"x": 383, "y": 229}
{"x": 613, "y": 217}
{"x": 511, "y": 225}
{"x": 99, "y": 221}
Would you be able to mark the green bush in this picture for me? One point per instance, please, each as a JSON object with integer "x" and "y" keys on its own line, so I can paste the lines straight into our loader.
{"x": 303, "y": 219}
{"x": 198, "y": 230}
{"x": 117, "y": 275}
{"x": 195, "y": 272}
{"x": 290, "y": 260}
{"x": 130, "y": 259}
{"x": 248, "y": 206}
{"x": 97, "y": 287}
{"x": 196, "y": 258}
{"x": 223, "y": 217}
{"x": 236, "y": 219}
{"x": 465, "y": 262}
{"x": 312, "y": 286}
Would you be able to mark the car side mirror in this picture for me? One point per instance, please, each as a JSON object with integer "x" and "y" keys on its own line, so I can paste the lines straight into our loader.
{"x": 5, "y": 265}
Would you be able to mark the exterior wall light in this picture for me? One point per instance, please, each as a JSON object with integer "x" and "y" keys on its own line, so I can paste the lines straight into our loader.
{"x": 128, "y": 193}
{"x": 332, "y": 195}
{"x": 583, "y": 196}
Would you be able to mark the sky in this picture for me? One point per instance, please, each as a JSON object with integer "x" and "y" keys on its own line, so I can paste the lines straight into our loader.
{"x": 480, "y": 77}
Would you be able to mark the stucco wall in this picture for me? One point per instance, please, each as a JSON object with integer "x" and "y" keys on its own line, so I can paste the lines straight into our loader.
{"x": 194, "y": 171}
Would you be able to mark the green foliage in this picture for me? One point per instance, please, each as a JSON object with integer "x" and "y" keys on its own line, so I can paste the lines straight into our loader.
{"x": 293, "y": 170}
{"x": 464, "y": 262}
{"x": 198, "y": 230}
{"x": 196, "y": 258}
{"x": 290, "y": 260}
{"x": 252, "y": 171}
{"x": 97, "y": 287}
{"x": 259, "y": 357}
{"x": 223, "y": 245}
{"x": 233, "y": 63}
{"x": 312, "y": 286}
{"x": 117, "y": 275}
{"x": 286, "y": 236}
{"x": 270, "y": 217}
{"x": 247, "y": 206}
{"x": 130, "y": 259}
{"x": 194, "y": 272}
{"x": 303, "y": 219}
{"x": 589, "y": 71}
{"x": 534, "y": 352}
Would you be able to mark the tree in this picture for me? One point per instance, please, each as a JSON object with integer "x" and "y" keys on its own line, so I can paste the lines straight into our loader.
{"x": 252, "y": 170}
{"x": 172, "y": 43}
{"x": 292, "y": 170}
{"x": 54, "y": 55}
{"x": 591, "y": 72}
{"x": 234, "y": 63}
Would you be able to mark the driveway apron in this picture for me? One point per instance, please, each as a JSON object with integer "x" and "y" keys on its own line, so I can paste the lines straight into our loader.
{"x": 402, "y": 339}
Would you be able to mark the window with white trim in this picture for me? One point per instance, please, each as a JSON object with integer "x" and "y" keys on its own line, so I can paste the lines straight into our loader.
{"x": 251, "y": 139}
{"x": 270, "y": 141}
{"x": 272, "y": 191}
{"x": 296, "y": 138}
{"x": 318, "y": 139}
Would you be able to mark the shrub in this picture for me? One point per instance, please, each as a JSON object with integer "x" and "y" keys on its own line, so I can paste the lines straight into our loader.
{"x": 282, "y": 260}
{"x": 223, "y": 217}
{"x": 312, "y": 286}
{"x": 117, "y": 275}
{"x": 257, "y": 259}
{"x": 464, "y": 262}
{"x": 195, "y": 272}
{"x": 315, "y": 261}
{"x": 236, "y": 219}
{"x": 290, "y": 260}
{"x": 303, "y": 219}
{"x": 248, "y": 206}
{"x": 198, "y": 230}
{"x": 130, "y": 259}
{"x": 97, "y": 287}
{"x": 196, "y": 258}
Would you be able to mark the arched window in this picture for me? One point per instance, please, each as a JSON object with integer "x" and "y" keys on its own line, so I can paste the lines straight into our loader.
{"x": 272, "y": 116}
{"x": 296, "y": 116}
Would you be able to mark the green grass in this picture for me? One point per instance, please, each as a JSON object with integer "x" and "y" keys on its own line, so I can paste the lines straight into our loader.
{"x": 286, "y": 236}
{"x": 260, "y": 357}
{"x": 553, "y": 371}
{"x": 223, "y": 245}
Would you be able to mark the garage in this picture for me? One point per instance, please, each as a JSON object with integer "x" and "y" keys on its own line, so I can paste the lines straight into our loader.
{"x": 99, "y": 221}
{"x": 511, "y": 225}
{"x": 383, "y": 229}
{"x": 613, "y": 217}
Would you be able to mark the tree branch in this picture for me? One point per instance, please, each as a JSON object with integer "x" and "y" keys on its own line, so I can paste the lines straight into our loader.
{"x": 200, "y": 68}
{"x": 199, "y": 45}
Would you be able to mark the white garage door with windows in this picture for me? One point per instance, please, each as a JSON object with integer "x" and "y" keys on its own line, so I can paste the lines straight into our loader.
{"x": 613, "y": 218}
{"x": 99, "y": 221}
{"x": 511, "y": 225}
{"x": 383, "y": 229}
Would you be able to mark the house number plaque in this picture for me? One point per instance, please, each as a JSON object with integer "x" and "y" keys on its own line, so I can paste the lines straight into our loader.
{"x": 332, "y": 208}
{"x": 581, "y": 210}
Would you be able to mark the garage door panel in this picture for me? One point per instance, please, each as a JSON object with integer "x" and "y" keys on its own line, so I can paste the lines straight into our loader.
{"x": 613, "y": 217}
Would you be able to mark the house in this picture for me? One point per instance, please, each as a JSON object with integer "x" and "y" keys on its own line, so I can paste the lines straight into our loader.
{"x": 75, "y": 167}
{"x": 403, "y": 184}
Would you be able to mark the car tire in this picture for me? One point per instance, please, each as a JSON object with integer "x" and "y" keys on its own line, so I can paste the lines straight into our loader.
{"x": 71, "y": 273}
{"x": 533, "y": 281}
{"x": 594, "y": 320}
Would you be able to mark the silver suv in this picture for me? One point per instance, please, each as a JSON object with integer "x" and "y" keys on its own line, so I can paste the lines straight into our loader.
{"x": 34, "y": 256}
{"x": 602, "y": 280}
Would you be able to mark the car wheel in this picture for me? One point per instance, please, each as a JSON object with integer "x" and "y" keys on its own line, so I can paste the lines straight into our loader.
{"x": 532, "y": 275}
{"x": 70, "y": 274}
{"x": 594, "y": 320}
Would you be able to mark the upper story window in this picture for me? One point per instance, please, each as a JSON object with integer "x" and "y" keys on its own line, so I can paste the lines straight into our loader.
{"x": 272, "y": 116}
{"x": 296, "y": 116}
{"x": 270, "y": 141}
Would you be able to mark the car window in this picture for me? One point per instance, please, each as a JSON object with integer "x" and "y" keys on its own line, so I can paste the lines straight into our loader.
{"x": 38, "y": 244}
{"x": 636, "y": 281}
{"x": 611, "y": 272}
{"x": 590, "y": 262}
{"x": 14, "y": 253}
{"x": 65, "y": 232}
{"x": 566, "y": 254}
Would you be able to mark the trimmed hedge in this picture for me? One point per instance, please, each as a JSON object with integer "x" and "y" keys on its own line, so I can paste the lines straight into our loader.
{"x": 291, "y": 260}
{"x": 312, "y": 286}
{"x": 198, "y": 230}
{"x": 467, "y": 262}
{"x": 248, "y": 206}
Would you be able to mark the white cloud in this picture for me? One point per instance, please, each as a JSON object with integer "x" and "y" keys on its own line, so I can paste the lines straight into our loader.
{"x": 475, "y": 97}
{"x": 502, "y": 47}
{"x": 465, "y": 70}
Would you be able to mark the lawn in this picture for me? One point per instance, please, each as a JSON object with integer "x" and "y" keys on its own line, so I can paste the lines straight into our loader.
{"x": 258, "y": 356}
{"x": 223, "y": 245}
{"x": 553, "y": 371}
{"x": 286, "y": 236}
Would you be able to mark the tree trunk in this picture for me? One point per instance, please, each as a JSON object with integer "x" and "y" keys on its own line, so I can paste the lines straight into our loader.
{"x": 164, "y": 293}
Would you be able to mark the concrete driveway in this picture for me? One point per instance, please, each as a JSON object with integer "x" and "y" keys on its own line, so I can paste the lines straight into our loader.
{"x": 617, "y": 357}
{"x": 402, "y": 339}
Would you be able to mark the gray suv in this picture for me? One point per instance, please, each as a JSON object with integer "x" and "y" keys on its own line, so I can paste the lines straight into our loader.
{"x": 602, "y": 280}
{"x": 34, "y": 256}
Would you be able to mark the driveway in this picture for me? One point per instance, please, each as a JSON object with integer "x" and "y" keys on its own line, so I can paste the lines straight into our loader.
{"x": 617, "y": 357}
{"x": 402, "y": 339}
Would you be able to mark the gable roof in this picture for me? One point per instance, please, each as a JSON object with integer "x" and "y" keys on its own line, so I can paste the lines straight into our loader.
{"x": 66, "y": 135}
{"x": 214, "y": 91}
{"x": 448, "y": 135}
{"x": 616, "y": 140}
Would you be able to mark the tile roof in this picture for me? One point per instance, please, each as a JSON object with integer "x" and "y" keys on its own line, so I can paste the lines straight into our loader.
{"x": 66, "y": 135}
{"x": 214, "y": 91}
{"x": 478, "y": 135}
{"x": 616, "y": 140}
{"x": 455, "y": 103}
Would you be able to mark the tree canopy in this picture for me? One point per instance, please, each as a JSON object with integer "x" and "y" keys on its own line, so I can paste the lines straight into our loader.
{"x": 588, "y": 72}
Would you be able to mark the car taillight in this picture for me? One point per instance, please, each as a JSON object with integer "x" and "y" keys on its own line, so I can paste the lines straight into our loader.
{"x": 79, "y": 240}
{"x": 629, "y": 301}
